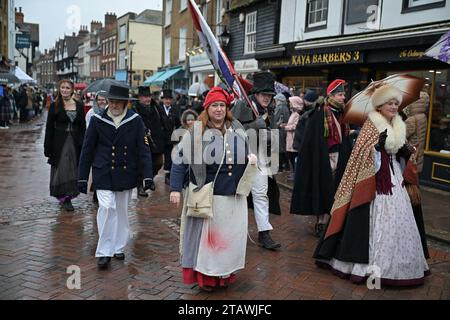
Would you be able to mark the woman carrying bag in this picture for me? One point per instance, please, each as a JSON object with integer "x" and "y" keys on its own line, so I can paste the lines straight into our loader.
{"x": 213, "y": 235}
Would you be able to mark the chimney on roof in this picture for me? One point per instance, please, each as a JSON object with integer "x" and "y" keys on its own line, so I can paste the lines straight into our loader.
{"x": 110, "y": 20}
{"x": 95, "y": 25}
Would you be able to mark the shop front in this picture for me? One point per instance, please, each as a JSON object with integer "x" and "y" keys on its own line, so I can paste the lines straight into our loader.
{"x": 246, "y": 67}
{"x": 200, "y": 68}
{"x": 359, "y": 64}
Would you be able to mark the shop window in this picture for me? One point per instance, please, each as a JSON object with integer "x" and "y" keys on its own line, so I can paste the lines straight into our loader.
{"x": 439, "y": 139}
{"x": 418, "y": 5}
{"x": 317, "y": 14}
{"x": 437, "y": 108}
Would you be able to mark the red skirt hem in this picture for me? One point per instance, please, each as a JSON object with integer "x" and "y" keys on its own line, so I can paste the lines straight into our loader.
{"x": 190, "y": 276}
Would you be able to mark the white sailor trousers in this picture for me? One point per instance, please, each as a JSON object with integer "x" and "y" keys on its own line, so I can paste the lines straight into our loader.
{"x": 261, "y": 201}
{"x": 112, "y": 222}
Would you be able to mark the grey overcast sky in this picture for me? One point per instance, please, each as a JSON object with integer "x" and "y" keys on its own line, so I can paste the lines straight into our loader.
{"x": 56, "y": 18}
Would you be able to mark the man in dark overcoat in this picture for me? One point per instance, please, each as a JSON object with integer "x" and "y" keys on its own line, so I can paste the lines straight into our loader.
{"x": 148, "y": 109}
{"x": 171, "y": 120}
{"x": 115, "y": 147}
{"x": 323, "y": 156}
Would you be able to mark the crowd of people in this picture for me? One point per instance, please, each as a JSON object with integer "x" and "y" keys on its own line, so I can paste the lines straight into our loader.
{"x": 21, "y": 104}
{"x": 360, "y": 183}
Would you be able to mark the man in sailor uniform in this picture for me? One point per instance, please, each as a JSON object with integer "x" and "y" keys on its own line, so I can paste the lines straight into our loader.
{"x": 115, "y": 146}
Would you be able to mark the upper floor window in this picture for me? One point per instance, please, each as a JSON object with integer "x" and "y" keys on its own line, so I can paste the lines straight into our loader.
{"x": 123, "y": 33}
{"x": 168, "y": 19}
{"x": 418, "y": 5}
{"x": 317, "y": 13}
{"x": 219, "y": 6}
{"x": 183, "y": 5}
{"x": 167, "y": 48}
{"x": 250, "y": 33}
{"x": 359, "y": 11}
{"x": 182, "y": 46}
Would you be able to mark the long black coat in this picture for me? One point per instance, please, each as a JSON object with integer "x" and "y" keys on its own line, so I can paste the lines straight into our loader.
{"x": 314, "y": 186}
{"x": 56, "y": 132}
{"x": 153, "y": 121}
{"x": 170, "y": 122}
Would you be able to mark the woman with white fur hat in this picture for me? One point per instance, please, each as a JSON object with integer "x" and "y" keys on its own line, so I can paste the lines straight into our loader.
{"x": 372, "y": 231}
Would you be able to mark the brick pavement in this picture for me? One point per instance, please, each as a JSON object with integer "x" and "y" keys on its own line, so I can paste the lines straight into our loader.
{"x": 38, "y": 242}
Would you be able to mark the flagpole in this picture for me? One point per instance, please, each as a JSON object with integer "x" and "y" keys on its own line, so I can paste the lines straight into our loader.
{"x": 246, "y": 98}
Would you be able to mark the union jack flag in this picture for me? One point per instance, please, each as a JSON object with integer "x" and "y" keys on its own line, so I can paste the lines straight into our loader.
{"x": 218, "y": 58}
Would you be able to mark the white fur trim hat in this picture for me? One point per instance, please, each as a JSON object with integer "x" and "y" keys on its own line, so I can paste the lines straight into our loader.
{"x": 384, "y": 94}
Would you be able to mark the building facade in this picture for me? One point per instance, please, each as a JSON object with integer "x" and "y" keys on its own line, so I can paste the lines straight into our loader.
{"x": 26, "y": 41}
{"x": 66, "y": 56}
{"x": 4, "y": 28}
{"x": 108, "y": 40}
{"x": 95, "y": 51}
{"x": 321, "y": 40}
{"x": 254, "y": 29}
{"x": 139, "y": 52}
{"x": 45, "y": 70}
{"x": 84, "y": 63}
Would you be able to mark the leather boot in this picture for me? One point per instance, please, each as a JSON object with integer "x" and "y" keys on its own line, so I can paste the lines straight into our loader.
{"x": 141, "y": 192}
{"x": 266, "y": 241}
{"x": 103, "y": 262}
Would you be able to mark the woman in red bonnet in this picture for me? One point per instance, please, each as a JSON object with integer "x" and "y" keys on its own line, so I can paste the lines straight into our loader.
{"x": 213, "y": 248}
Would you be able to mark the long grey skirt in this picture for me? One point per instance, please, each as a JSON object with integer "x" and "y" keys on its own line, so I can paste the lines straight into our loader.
{"x": 63, "y": 178}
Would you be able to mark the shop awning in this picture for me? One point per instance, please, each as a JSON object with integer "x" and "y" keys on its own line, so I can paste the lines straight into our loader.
{"x": 152, "y": 78}
{"x": 160, "y": 77}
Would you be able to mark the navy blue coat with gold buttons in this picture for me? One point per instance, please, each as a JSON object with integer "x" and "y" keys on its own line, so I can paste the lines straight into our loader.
{"x": 115, "y": 155}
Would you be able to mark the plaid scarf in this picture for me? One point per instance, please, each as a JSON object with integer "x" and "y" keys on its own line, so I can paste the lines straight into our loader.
{"x": 331, "y": 132}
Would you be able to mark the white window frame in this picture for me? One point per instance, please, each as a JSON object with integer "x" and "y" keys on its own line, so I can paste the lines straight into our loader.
{"x": 183, "y": 5}
{"x": 418, "y": 3}
{"x": 324, "y": 7}
{"x": 182, "y": 44}
{"x": 168, "y": 13}
{"x": 219, "y": 18}
{"x": 123, "y": 33}
{"x": 122, "y": 54}
{"x": 167, "y": 49}
{"x": 250, "y": 32}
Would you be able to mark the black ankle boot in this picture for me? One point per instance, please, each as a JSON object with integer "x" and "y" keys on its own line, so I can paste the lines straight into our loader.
{"x": 67, "y": 205}
{"x": 266, "y": 241}
{"x": 103, "y": 262}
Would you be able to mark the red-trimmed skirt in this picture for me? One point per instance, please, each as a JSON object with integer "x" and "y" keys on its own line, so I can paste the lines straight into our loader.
{"x": 190, "y": 276}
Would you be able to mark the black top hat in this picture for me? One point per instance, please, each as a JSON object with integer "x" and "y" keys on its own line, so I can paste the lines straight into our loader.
{"x": 118, "y": 93}
{"x": 264, "y": 82}
{"x": 167, "y": 94}
{"x": 144, "y": 91}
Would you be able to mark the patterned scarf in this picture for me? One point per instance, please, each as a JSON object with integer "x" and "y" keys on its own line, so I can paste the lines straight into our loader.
{"x": 331, "y": 131}
{"x": 358, "y": 185}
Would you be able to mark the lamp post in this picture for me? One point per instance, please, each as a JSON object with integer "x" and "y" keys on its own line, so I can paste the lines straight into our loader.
{"x": 131, "y": 46}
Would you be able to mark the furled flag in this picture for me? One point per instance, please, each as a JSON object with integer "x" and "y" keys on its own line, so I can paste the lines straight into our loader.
{"x": 217, "y": 56}
{"x": 441, "y": 49}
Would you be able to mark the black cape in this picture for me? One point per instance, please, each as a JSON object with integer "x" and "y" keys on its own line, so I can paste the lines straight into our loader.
{"x": 314, "y": 185}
